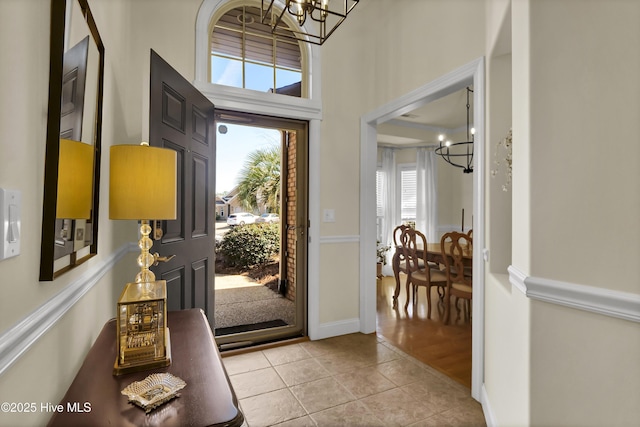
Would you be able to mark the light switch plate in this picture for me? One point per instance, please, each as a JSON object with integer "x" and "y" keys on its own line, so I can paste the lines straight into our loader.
{"x": 329, "y": 215}
{"x": 10, "y": 223}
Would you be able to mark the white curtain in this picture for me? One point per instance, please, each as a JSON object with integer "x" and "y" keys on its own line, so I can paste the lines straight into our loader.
{"x": 426, "y": 197}
{"x": 389, "y": 203}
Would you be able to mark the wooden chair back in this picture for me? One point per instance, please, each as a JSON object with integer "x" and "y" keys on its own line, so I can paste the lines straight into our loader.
{"x": 454, "y": 246}
{"x": 411, "y": 240}
{"x": 397, "y": 233}
{"x": 397, "y": 243}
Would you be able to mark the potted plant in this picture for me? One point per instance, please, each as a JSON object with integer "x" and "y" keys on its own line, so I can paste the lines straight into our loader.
{"x": 381, "y": 254}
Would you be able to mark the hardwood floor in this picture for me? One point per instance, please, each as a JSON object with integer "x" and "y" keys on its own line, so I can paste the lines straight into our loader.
{"x": 446, "y": 348}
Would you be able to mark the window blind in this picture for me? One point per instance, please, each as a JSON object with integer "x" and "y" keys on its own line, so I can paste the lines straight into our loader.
{"x": 379, "y": 190}
{"x": 408, "y": 194}
{"x": 239, "y": 33}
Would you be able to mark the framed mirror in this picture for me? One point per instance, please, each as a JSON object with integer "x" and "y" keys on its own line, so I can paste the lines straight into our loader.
{"x": 74, "y": 129}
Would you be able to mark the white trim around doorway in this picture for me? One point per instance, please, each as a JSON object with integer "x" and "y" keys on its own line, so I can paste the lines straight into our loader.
{"x": 472, "y": 73}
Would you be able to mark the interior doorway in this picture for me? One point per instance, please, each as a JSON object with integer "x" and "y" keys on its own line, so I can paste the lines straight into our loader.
{"x": 471, "y": 74}
{"x": 261, "y": 228}
{"x": 415, "y": 187}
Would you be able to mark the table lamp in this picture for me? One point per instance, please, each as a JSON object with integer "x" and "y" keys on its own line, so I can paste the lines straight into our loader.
{"x": 75, "y": 180}
{"x": 142, "y": 186}
{"x": 75, "y": 188}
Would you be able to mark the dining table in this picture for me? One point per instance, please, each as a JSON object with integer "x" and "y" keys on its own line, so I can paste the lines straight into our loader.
{"x": 434, "y": 254}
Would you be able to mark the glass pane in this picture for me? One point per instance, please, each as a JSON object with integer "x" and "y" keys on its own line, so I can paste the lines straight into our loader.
{"x": 226, "y": 72}
{"x": 288, "y": 82}
{"x": 258, "y": 49}
{"x": 258, "y": 77}
{"x": 243, "y": 52}
{"x": 408, "y": 195}
{"x": 226, "y": 43}
{"x": 288, "y": 54}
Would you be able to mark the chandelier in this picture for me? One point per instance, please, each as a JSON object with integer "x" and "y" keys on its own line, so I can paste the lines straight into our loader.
{"x": 322, "y": 18}
{"x": 459, "y": 154}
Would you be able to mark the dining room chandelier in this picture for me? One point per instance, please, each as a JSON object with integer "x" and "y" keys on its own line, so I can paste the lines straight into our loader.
{"x": 318, "y": 19}
{"x": 459, "y": 154}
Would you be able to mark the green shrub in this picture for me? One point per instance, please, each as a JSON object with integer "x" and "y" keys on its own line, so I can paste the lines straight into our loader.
{"x": 249, "y": 245}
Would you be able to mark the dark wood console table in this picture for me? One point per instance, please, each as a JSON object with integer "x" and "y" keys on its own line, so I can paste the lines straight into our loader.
{"x": 207, "y": 400}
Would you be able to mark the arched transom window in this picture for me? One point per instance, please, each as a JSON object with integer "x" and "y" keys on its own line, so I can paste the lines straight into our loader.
{"x": 245, "y": 54}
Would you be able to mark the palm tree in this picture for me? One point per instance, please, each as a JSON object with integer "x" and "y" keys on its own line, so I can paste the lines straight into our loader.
{"x": 260, "y": 180}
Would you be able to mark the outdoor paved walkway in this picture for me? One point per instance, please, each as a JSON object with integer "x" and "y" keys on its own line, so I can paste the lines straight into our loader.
{"x": 241, "y": 300}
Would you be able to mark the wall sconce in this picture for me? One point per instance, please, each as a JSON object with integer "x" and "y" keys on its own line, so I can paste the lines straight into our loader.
{"x": 142, "y": 186}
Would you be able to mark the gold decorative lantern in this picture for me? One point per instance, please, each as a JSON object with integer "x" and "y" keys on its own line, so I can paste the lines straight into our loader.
{"x": 142, "y": 334}
{"x": 142, "y": 184}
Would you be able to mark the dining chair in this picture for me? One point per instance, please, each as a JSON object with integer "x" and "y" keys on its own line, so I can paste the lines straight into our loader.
{"x": 419, "y": 271}
{"x": 397, "y": 260}
{"x": 398, "y": 263}
{"x": 454, "y": 245}
{"x": 468, "y": 271}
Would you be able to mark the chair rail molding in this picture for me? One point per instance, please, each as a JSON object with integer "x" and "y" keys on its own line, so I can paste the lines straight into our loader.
{"x": 15, "y": 341}
{"x": 608, "y": 302}
{"x": 339, "y": 239}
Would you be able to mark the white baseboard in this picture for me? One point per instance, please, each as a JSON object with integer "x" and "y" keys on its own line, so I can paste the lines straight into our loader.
{"x": 489, "y": 417}
{"x": 15, "y": 341}
{"x": 342, "y": 327}
{"x": 334, "y": 329}
{"x": 608, "y": 302}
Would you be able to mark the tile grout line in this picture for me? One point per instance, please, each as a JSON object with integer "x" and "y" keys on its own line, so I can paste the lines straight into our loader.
{"x": 401, "y": 356}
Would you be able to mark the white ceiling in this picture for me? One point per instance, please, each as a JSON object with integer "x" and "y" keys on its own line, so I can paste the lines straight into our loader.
{"x": 446, "y": 115}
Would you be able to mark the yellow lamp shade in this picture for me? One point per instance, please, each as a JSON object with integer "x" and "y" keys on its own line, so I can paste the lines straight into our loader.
{"x": 75, "y": 180}
{"x": 142, "y": 182}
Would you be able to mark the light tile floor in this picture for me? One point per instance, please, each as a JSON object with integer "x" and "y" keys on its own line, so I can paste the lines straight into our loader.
{"x": 351, "y": 380}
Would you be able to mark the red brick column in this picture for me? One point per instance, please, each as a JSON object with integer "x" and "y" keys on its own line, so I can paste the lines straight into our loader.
{"x": 291, "y": 194}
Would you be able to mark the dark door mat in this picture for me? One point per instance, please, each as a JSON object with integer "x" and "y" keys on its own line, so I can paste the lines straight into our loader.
{"x": 250, "y": 327}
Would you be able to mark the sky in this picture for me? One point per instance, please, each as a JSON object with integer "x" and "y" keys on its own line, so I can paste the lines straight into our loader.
{"x": 233, "y": 147}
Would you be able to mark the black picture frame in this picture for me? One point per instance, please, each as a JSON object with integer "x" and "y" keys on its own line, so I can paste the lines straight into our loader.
{"x": 48, "y": 269}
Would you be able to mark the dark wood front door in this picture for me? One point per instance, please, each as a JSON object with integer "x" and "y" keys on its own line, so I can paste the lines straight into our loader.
{"x": 74, "y": 77}
{"x": 182, "y": 119}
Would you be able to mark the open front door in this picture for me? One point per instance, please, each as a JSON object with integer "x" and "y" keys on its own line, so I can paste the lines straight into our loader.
{"x": 294, "y": 223}
{"x": 182, "y": 119}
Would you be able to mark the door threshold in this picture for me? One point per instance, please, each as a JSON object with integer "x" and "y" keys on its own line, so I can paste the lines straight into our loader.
{"x": 242, "y": 347}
